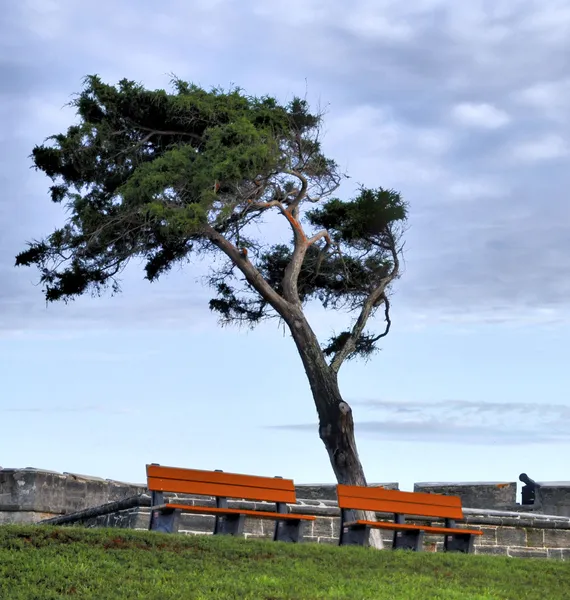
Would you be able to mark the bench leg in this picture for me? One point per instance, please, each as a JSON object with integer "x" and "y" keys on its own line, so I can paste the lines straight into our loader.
{"x": 165, "y": 521}
{"x": 408, "y": 540}
{"x": 288, "y": 531}
{"x": 459, "y": 543}
{"x": 356, "y": 535}
{"x": 229, "y": 525}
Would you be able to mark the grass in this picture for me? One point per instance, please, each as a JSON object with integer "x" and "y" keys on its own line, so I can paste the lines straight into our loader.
{"x": 41, "y": 563}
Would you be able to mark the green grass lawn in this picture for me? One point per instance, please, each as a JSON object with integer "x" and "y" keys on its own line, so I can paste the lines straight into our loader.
{"x": 39, "y": 562}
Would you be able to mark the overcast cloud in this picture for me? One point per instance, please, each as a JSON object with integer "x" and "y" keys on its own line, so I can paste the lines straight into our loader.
{"x": 463, "y": 107}
{"x": 459, "y": 422}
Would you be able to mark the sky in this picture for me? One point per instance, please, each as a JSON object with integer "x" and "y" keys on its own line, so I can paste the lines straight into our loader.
{"x": 462, "y": 107}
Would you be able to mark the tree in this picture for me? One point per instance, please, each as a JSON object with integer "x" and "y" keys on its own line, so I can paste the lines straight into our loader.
{"x": 163, "y": 176}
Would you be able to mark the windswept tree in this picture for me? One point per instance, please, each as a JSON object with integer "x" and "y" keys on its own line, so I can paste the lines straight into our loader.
{"x": 163, "y": 176}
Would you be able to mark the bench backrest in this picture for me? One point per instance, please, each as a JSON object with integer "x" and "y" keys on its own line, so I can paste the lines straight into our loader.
{"x": 220, "y": 484}
{"x": 380, "y": 500}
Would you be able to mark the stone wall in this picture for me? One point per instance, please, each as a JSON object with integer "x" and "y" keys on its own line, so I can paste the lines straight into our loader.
{"x": 554, "y": 498}
{"x": 494, "y": 494}
{"x": 505, "y": 533}
{"x": 30, "y": 495}
{"x": 541, "y": 530}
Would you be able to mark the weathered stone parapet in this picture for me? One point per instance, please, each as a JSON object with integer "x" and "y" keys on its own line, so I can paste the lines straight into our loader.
{"x": 35, "y": 493}
{"x": 476, "y": 516}
{"x": 493, "y": 494}
{"x": 553, "y": 497}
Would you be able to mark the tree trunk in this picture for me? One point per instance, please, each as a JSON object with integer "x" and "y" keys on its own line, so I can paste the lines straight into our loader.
{"x": 336, "y": 425}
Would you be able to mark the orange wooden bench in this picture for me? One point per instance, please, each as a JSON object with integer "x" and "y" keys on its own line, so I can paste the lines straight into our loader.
{"x": 407, "y": 536}
{"x": 229, "y": 521}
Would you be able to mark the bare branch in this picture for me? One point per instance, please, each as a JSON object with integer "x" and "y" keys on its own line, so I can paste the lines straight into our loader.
{"x": 291, "y": 274}
{"x": 251, "y": 273}
{"x": 294, "y": 204}
{"x": 168, "y": 132}
{"x": 375, "y": 298}
{"x": 270, "y": 204}
{"x": 386, "y": 318}
{"x": 322, "y": 234}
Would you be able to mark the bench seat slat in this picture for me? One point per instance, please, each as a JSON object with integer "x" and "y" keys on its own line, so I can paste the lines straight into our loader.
{"x": 349, "y": 492}
{"x": 197, "y": 475}
{"x": 412, "y": 527}
{"x": 403, "y": 508}
{"x": 221, "y": 490}
{"x": 211, "y": 510}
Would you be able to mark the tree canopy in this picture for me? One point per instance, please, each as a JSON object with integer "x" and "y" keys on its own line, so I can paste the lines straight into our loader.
{"x": 164, "y": 175}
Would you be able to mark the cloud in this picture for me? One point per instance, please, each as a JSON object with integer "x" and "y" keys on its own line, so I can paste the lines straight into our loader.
{"x": 550, "y": 98}
{"x": 547, "y": 147}
{"x": 480, "y": 115}
{"x": 444, "y": 101}
{"x": 459, "y": 422}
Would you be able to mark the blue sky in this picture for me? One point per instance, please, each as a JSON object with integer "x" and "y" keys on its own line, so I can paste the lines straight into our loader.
{"x": 464, "y": 109}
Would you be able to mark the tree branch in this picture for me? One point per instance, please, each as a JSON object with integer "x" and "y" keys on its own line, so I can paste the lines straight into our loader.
{"x": 322, "y": 234}
{"x": 301, "y": 243}
{"x": 386, "y": 318}
{"x": 167, "y": 132}
{"x": 375, "y": 298}
{"x": 292, "y": 270}
{"x": 294, "y": 204}
{"x": 270, "y": 204}
{"x": 252, "y": 275}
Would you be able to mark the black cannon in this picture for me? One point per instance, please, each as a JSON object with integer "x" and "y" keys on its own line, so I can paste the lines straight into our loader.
{"x": 528, "y": 492}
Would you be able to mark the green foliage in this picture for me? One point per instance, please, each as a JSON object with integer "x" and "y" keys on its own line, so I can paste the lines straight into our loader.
{"x": 364, "y": 221}
{"x": 139, "y": 174}
{"x": 154, "y": 174}
{"x": 46, "y": 563}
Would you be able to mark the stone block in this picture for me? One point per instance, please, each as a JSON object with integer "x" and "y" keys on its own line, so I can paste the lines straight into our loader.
{"x": 491, "y": 550}
{"x": 555, "y": 553}
{"x": 328, "y": 540}
{"x": 252, "y": 536}
{"x": 336, "y": 528}
{"x": 200, "y": 523}
{"x": 134, "y": 519}
{"x": 75, "y": 494}
{"x": 518, "y": 552}
{"x": 535, "y": 538}
{"x": 118, "y": 491}
{"x": 475, "y": 495}
{"x": 316, "y": 491}
{"x": 489, "y": 537}
{"x": 258, "y": 527}
{"x": 483, "y": 520}
{"x": 8, "y": 517}
{"x": 32, "y": 490}
{"x": 387, "y": 538}
{"x": 557, "y": 538}
{"x": 324, "y": 527}
{"x": 554, "y": 498}
{"x": 319, "y": 511}
{"x": 46, "y": 491}
{"x": 511, "y": 536}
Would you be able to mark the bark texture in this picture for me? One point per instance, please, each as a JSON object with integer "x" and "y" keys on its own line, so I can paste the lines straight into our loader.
{"x": 336, "y": 425}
